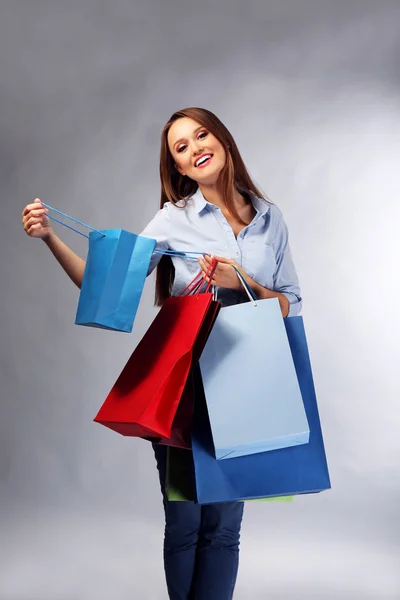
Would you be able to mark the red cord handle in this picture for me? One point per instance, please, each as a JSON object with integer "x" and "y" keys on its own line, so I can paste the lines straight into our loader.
{"x": 195, "y": 285}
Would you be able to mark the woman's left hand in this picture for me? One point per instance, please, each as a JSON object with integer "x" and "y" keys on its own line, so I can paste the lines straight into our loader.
{"x": 224, "y": 276}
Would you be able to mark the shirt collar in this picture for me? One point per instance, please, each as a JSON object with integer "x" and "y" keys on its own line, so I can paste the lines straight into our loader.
{"x": 261, "y": 205}
{"x": 200, "y": 202}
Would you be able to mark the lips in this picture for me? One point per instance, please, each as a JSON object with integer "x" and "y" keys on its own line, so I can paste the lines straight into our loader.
{"x": 201, "y": 162}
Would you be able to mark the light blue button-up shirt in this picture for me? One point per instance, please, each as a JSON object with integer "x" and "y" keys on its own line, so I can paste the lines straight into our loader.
{"x": 261, "y": 248}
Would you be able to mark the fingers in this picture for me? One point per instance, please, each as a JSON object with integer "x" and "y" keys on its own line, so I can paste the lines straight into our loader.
{"x": 227, "y": 261}
{"x": 30, "y": 220}
{"x": 207, "y": 279}
{"x": 36, "y": 205}
{"x": 33, "y": 228}
{"x": 206, "y": 264}
{"x": 34, "y": 221}
{"x": 34, "y": 216}
{"x": 40, "y": 212}
{"x": 203, "y": 265}
{"x": 209, "y": 259}
{"x": 205, "y": 261}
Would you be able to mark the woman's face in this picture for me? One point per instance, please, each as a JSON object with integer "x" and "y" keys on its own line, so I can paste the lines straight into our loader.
{"x": 196, "y": 152}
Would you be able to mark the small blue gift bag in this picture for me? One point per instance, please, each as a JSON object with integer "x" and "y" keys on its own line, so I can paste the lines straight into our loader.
{"x": 115, "y": 273}
{"x": 116, "y": 268}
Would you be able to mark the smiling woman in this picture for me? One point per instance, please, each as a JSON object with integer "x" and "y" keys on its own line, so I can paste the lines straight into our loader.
{"x": 196, "y": 149}
{"x": 189, "y": 135}
{"x": 200, "y": 162}
{"x": 208, "y": 203}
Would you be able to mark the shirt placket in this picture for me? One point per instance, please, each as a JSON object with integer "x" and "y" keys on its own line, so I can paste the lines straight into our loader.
{"x": 234, "y": 245}
{"x": 246, "y": 242}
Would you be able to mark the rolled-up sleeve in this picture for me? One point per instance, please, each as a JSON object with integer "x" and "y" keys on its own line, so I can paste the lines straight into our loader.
{"x": 158, "y": 229}
{"x": 285, "y": 276}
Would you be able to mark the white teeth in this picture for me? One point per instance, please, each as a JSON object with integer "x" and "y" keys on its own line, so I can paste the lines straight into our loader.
{"x": 203, "y": 159}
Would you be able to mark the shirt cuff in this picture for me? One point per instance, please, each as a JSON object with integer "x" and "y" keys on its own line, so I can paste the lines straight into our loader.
{"x": 295, "y": 304}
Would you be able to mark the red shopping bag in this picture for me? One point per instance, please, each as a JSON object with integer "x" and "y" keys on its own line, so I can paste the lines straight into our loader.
{"x": 182, "y": 425}
{"x": 180, "y": 436}
{"x": 144, "y": 400}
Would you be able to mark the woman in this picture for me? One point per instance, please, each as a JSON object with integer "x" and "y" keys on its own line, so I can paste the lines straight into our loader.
{"x": 208, "y": 204}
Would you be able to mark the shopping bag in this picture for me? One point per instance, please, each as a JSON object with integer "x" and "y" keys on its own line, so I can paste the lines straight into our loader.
{"x": 253, "y": 396}
{"x": 179, "y": 481}
{"x": 181, "y": 428}
{"x": 116, "y": 267}
{"x": 145, "y": 398}
{"x": 182, "y": 425}
{"x": 299, "y": 469}
{"x": 113, "y": 280}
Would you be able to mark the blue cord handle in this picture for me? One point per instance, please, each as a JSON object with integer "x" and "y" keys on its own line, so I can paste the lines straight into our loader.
{"x": 72, "y": 219}
{"x": 160, "y": 251}
{"x": 157, "y": 250}
{"x": 178, "y": 254}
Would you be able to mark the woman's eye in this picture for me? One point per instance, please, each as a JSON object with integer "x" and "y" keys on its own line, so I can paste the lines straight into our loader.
{"x": 181, "y": 148}
{"x": 203, "y": 134}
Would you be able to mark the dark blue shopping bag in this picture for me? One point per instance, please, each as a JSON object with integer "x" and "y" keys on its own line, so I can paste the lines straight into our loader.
{"x": 115, "y": 273}
{"x": 288, "y": 471}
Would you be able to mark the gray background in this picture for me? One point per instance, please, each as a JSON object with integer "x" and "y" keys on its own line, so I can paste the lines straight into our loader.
{"x": 310, "y": 91}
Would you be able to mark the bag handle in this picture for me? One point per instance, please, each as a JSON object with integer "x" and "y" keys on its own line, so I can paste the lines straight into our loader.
{"x": 177, "y": 253}
{"x": 252, "y": 296}
{"x": 197, "y": 283}
{"x": 72, "y": 219}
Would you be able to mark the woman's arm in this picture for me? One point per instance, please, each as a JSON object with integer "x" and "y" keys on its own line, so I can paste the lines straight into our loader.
{"x": 226, "y": 277}
{"x": 262, "y": 292}
{"x": 73, "y": 265}
{"x": 36, "y": 225}
{"x": 285, "y": 281}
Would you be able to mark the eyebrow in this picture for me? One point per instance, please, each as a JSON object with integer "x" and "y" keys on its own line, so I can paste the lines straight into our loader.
{"x": 195, "y": 131}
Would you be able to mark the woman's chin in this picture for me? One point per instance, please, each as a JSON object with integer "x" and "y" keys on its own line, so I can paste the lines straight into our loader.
{"x": 208, "y": 180}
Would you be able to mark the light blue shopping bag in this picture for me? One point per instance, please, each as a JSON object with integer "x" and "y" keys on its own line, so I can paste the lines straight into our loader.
{"x": 252, "y": 392}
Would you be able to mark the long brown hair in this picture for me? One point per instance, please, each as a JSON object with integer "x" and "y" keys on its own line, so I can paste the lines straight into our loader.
{"x": 175, "y": 187}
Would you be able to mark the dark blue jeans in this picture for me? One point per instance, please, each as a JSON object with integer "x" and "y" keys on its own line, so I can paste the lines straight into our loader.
{"x": 201, "y": 545}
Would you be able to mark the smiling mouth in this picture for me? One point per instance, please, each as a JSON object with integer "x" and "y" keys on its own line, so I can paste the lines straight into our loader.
{"x": 203, "y": 161}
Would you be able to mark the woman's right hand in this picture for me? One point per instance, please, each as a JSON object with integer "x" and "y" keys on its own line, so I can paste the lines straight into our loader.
{"x": 35, "y": 220}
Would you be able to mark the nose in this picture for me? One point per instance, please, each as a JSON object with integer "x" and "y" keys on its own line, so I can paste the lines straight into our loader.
{"x": 197, "y": 147}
